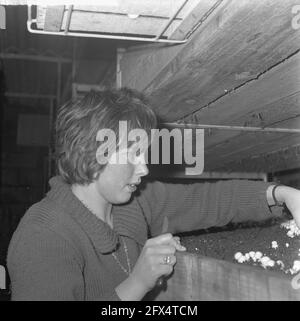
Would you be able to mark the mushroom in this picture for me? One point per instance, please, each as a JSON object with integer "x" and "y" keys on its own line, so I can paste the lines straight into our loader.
{"x": 258, "y": 255}
{"x": 274, "y": 245}
{"x": 279, "y": 262}
{"x": 238, "y": 255}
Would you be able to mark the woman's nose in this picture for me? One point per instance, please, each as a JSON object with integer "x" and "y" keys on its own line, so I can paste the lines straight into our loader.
{"x": 142, "y": 170}
{"x": 141, "y": 166}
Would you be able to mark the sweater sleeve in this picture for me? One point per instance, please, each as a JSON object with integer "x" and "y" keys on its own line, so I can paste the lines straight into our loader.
{"x": 45, "y": 267}
{"x": 178, "y": 208}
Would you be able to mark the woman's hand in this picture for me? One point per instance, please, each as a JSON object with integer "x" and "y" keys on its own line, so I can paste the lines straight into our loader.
{"x": 291, "y": 197}
{"x": 156, "y": 259}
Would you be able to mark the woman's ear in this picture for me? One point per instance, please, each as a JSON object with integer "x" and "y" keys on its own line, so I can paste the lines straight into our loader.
{"x": 107, "y": 141}
{"x": 102, "y": 156}
{"x": 98, "y": 157}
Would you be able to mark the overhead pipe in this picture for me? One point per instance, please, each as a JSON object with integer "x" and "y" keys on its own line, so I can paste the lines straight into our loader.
{"x": 237, "y": 128}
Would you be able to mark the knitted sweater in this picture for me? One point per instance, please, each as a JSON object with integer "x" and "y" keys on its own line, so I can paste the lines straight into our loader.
{"x": 61, "y": 251}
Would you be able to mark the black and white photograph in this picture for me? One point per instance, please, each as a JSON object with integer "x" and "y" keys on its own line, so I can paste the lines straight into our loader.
{"x": 150, "y": 152}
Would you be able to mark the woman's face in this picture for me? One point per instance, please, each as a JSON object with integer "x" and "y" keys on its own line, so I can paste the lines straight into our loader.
{"x": 119, "y": 180}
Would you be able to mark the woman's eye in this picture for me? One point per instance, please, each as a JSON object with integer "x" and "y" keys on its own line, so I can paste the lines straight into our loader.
{"x": 135, "y": 152}
{"x": 132, "y": 157}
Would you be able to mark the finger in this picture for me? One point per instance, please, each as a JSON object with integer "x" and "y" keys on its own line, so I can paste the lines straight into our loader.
{"x": 166, "y": 269}
{"x": 162, "y": 250}
{"x": 176, "y": 243}
{"x": 176, "y": 238}
{"x": 163, "y": 238}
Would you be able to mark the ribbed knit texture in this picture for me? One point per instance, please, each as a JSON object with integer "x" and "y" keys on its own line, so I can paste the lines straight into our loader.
{"x": 61, "y": 251}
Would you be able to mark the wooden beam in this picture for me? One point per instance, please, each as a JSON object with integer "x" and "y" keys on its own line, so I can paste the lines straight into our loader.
{"x": 140, "y": 65}
{"x": 195, "y": 18}
{"x": 279, "y": 160}
{"x": 249, "y": 43}
{"x": 275, "y": 96}
{"x": 269, "y": 115}
{"x": 135, "y": 64}
{"x": 237, "y": 43}
{"x": 285, "y": 159}
{"x": 228, "y": 147}
{"x": 271, "y": 101}
{"x": 249, "y": 144}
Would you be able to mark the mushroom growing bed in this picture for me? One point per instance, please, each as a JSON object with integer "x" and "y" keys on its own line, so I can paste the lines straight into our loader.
{"x": 257, "y": 261}
{"x": 272, "y": 246}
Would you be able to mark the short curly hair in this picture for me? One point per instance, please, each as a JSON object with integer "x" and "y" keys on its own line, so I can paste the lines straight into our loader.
{"x": 78, "y": 123}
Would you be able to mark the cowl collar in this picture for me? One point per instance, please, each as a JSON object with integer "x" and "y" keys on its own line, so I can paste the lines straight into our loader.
{"x": 128, "y": 219}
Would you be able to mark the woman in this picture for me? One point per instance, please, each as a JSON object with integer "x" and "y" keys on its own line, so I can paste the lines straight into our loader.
{"x": 94, "y": 237}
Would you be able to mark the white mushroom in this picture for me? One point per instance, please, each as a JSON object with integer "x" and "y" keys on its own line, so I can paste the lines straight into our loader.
{"x": 238, "y": 255}
{"x": 296, "y": 266}
{"x": 252, "y": 254}
{"x": 242, "y": 259}
{"x": 279, "y": 262}
{"x": 266, "y": 261}
{"x": 292, "y": 227}
{"x": 258, "y": 255}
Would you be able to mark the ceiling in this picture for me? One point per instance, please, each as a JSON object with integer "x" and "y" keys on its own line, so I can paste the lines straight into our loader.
{"x": 240, "y": 67}
{"x": 232, "y": 62}
{"x": 30, "y": 61}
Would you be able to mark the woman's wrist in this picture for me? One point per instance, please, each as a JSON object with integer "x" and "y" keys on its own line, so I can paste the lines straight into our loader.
{"x": 131, "y": 290}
